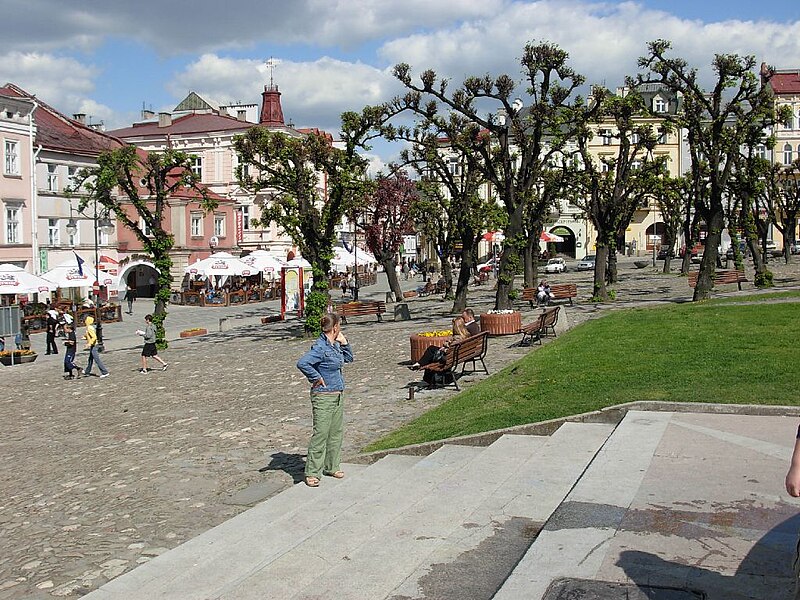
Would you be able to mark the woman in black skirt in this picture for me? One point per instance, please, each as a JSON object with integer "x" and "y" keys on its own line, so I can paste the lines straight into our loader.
{"x": 150, "y": 349}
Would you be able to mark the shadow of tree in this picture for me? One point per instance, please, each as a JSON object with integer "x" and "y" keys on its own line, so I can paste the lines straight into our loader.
{"x": 291, "y": 464}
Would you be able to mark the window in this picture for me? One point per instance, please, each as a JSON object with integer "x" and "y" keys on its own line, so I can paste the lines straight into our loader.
{"x": 634, "y": 138}
{"x": 606, "y": 137}
{"x": 453, "y": 167}
{"x": 75, "y": 238}
{"x": 659, "y": 105}
{"x": 102, "y": 238}
{"x": 12, "y": 224}
{"x": 72, "y": 173}
{"x": 197, "y": 167}
{"x": 787, "y": 154}
{"x": 196, "y": 225}
{"x": 219, "y": 225}
{"x": 52, "y": 178}
{"x": 54, "y": 232}
{"x": 662, "y": 137}
{"x": 245, "y": 217}
{"x": 145, "y": 228}
{"x": 11, "y": 153}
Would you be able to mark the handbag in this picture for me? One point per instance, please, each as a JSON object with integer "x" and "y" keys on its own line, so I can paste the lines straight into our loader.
{"x": 440, "y": 355}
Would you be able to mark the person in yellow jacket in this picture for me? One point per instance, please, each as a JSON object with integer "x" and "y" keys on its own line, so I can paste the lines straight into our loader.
{"x": 91, "y": 345}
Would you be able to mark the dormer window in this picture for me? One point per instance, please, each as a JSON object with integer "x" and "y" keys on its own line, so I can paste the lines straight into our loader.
{"x": 659, "y": 105}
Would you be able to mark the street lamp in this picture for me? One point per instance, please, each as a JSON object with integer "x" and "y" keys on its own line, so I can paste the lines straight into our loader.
{"x": 104, "y": 224}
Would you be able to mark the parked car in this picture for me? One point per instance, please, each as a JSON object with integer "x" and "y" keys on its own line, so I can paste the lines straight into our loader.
{"x": 555, "y": 265}
{"x": 795, "y": 248}
{"x": 586, "y": 263}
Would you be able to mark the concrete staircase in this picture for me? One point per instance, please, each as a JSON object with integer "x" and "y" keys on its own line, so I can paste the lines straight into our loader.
{"x": 453, "y": 524}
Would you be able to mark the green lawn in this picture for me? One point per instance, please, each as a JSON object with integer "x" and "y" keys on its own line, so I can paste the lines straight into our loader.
{"x": 699, "y": 352}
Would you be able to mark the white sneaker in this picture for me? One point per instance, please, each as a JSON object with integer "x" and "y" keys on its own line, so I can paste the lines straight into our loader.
{"x": 104, "y": 375}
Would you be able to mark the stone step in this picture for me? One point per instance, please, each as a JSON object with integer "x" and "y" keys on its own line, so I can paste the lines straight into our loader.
{"x": 474, "y": 561}
{"x": 569, "y": 546}
{"x": 256, "y": 534}
{"x": 312, "y": 561}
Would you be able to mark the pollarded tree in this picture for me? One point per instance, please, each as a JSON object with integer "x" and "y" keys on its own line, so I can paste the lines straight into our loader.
{"x": 787, "y": 205}
{"x": 717, "y": 122}
{"x": 388, "y": 218}
{"x": 450, "y": 209}
{"x": 137, "y": 187}
{"x": 668, "y": 195}
{"x": 521, "y": 137}
{"x": 609, "y": 189}
{"x": 306, "y": 185}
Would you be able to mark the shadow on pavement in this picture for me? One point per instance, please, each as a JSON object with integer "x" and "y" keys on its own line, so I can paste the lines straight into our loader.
{"x": 292, "y": 464}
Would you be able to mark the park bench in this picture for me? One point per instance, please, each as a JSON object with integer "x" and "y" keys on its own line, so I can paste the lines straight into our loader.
{"x": 470, "y": 350}
{"x": 360, "y": 309}
{"x": 724, "y": 276}
{"x": 540, "y": 327}
{"x": 480, "y": 278}
{"x": 558, "y": 291}
{"x": 427, "y": 290}
{"x": 410, "y": 294}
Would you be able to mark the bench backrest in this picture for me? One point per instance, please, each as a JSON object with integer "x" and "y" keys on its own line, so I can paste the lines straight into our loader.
{"x": 563, "y": 289}
{"x": 359, "y": 308}
{"x": 529, "y": 294}
{"x": 472, "y": 348}
{"x": 550, "y": 316}
{"x": 722, "y": 276}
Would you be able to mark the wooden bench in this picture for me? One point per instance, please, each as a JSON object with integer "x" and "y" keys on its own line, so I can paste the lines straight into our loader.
{"x": 723, "y": 276}
{"x": 558, "y": 291}
{"x": 472, "y": 349}
{"x": 540, "y": 327}
{"x": 427, "y": 290}
{"x": 360, "y": 309}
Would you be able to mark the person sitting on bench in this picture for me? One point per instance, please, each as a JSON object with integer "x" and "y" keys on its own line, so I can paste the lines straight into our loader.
{"x": 434, "y": 354}
{"x": 543, "y": 293}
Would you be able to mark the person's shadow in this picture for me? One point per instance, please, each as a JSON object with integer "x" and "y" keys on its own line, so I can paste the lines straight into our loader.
{"x": 764, "y": 573}
{"x": 293, "y": 464}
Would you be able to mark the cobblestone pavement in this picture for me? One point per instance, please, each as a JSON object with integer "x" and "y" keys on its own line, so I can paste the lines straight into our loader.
{"x": 101, "y": 475}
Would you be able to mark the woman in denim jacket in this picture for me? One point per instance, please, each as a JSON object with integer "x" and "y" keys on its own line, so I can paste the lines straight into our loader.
{"x": 322, "y": 366}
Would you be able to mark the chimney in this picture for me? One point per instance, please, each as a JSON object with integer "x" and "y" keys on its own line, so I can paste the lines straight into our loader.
{"x": 271, "y": 111}
{"x": 164, "y": 119}
{"x": 147, "y": 114}
{"x": 80, "y": 118}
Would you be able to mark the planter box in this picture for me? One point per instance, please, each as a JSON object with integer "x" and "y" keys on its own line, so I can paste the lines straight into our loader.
{"x": 193, "y": 332}
{"x": 501, "y": 324}
{"x": 420, "y": 343}
{"x": 18, "y": 360}
{"x": 410, "y": 294}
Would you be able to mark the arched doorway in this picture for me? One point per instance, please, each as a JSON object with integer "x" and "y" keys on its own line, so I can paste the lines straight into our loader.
{"x": 140, "y": 275}
{"x": 567, "y": 247}
{"x": 654, "y": 236}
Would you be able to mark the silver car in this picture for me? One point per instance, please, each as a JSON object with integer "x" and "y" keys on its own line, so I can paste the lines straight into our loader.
{"x": 586, "y": 263}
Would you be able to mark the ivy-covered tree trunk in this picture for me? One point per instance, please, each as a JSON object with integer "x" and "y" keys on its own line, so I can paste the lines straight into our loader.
{"x": 513, "y": 247}
{"x": 599, "y": 290}
{"x": 163, "y": 264}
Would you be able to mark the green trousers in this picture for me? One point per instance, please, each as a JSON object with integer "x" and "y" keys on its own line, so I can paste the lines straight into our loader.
{"x": 325, "y": 447}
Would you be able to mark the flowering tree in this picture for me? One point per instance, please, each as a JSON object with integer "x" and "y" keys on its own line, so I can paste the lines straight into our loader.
{"x": 388, "y": 218}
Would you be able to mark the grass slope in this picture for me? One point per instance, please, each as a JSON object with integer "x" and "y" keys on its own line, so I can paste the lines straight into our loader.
{"x": 700, "y": 352}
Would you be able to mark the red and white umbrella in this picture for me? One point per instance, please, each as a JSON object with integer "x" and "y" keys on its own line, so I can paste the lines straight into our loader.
{"x": 494, "y": 236}
{"x": 15, "y": 280}
{"x": 550, "y": 237}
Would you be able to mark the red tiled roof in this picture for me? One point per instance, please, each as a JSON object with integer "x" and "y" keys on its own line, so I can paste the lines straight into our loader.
{"x": 54, "y": 131}
{"x": 786, "y": 82}
{"x": 191, "y": 123}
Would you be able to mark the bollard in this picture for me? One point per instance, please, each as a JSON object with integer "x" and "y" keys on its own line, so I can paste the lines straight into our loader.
{"x": 401, "y": 312}
{"x": 411, "y": 391}
{"x": 223, "y": 324}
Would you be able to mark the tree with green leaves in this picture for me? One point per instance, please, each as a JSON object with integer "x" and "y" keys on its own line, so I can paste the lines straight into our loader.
{"x": 449, "y": 209}
{"x": 787, "y": 205}
{"x": 388, "y": 218}
{"x": 137, "y": 188}
{"x": 717, "y": 123}
{"x": 611, "y": 187}
{"x": 307, "y": 185}
{"x": 519, "y": 138}
{"x": 668, "y": 193}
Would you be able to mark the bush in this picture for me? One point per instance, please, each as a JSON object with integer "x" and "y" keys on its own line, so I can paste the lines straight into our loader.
{"x": 763, "y": 280}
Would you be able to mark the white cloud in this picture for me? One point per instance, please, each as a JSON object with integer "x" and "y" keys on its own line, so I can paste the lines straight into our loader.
{"x": 59, "y": 81}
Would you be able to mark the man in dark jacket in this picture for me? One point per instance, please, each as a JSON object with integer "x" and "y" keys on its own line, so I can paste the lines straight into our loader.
{"x": 469, "y": 321}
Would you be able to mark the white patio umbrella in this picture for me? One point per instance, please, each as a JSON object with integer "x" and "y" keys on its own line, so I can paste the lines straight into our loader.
{"x": 69, "y": 275}
{"x": 220, "y": 266}
{"x": 298, "y": 262}
{"x": 550, "y": 237}
{"x": 16, "y": 280}
{"x": 263, "y": 261}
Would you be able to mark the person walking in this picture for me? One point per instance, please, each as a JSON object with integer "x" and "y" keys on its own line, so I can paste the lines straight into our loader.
{"x": 70, "y": 348}
{"x": 50, "y": 328}
{"x": 322, "y": 366}
{"x": 130, "y": 297}
{"x": 91, "y": 345}
{"x": 149, "y": 349}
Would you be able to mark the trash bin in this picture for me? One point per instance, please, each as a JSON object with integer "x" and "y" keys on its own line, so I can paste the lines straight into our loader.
{"x": 401, "y": 312}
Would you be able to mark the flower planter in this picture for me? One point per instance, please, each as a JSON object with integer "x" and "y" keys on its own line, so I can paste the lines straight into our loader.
{"x": 501, "y": 324}
{"x": 18, "y": 359}
{"x": 193, "y": 332}
{"x": 419, "y": 343}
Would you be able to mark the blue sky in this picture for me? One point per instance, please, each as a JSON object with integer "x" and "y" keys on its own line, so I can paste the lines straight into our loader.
{"x": 108, "y": 58}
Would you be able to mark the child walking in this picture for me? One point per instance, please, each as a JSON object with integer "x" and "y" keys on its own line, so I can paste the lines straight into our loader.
{"x": 71, "y": 347}
{"x": 149, "y": 349}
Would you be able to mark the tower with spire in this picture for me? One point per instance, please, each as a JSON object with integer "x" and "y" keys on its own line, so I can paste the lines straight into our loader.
{"x": 271, "y": 111}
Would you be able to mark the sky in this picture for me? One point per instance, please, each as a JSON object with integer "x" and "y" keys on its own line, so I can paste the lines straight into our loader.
{"x": 111, "y": 59}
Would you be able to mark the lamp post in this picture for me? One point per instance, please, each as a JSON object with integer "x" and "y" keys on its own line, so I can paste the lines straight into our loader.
{"x": 104, "y": 224}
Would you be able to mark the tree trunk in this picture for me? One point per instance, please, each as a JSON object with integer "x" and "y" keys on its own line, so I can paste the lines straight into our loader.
{"x": 705, "y": 279}
{"x": 530, "y": 260}
{"x": 464, "y": 277}
{"x": 387, "y": 261}
{"x": 447, "y": 273}
{"x": 611, "y": 270}
{"x": 600, "y": 292}
{"x": 509, "y": 261}
{"x": 758, "y": 262}
{"x": 670, "y": 245}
